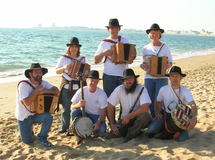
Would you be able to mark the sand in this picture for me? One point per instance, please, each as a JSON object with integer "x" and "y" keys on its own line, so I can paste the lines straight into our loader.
{"x": 200, "y": 80}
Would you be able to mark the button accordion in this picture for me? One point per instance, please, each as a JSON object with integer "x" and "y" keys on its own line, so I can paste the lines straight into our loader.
{"x": 123, "y": 53}
{"x": 79, "y": 68}
{"x": 45, "y": 103}
{"x": 157, "y": 66}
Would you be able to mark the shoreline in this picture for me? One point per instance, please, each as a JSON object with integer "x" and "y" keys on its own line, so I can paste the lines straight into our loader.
{"x": 15, "y": 77}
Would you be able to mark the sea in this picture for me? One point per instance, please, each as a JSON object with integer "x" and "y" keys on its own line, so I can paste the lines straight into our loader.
{"x": 21, "y": 47}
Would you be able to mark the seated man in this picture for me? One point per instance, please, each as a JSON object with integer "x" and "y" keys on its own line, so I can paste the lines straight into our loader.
{"x": 27, "y": 91}
{"x": 171, "y": 95}
{"x": 134, "y": 101}
{"x": 94, "y": 103}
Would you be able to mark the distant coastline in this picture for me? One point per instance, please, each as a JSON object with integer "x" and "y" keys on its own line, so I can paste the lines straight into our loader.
{"x": 203, "y": 32}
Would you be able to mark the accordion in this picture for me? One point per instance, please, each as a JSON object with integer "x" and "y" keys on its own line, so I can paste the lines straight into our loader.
{"x": 157, "y": 66}
{"x": 181, "y": 115}
{"x": 45, "y": 103}
{"x": 123, "y": 53}
{"x": 78, "y": 68}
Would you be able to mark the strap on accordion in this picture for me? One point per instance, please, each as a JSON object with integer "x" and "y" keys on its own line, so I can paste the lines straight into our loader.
{"x": 160, "y": 48}
{"x": 18, "y": 92}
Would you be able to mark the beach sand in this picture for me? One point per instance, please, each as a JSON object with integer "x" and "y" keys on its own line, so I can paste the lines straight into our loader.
{"x": 200, "y": 80}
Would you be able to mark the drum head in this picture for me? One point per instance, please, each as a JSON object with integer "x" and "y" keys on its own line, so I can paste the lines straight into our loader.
{"x": 83, "y": 127}
{"x": 182, "y": 115}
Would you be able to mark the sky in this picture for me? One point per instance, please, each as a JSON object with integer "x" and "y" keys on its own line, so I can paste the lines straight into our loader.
{"x": 135, "y": 14}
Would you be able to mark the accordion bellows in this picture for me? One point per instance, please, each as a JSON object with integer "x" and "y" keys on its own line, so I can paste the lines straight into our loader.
{"x": 45, "y": 103}
{"x": 123, "y": 53}
{"x": 157, "y": 66}
{"x": 79, "y": 68}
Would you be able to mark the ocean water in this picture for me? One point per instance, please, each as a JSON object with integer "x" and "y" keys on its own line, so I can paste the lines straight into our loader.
{"x": 21, "y": 47}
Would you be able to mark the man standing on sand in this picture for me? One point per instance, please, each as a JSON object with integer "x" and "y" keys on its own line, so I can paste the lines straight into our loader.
{"x": 27, "y": 91}
{"x": 112, "y": 71}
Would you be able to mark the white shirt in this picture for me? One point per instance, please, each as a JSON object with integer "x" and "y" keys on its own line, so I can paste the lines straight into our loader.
{"x": 23, "y": 91}
{"x": 167, "y": 95}
{"x": 150, "y": 50}
{"x": 65, "y": 61}
{"x": 111, "y": 68}
{"x": 94, "y": 101}
{"x": 119, "y": 96}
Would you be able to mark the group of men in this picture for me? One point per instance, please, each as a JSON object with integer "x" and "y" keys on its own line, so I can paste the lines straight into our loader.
{"x": 121, "y": 88}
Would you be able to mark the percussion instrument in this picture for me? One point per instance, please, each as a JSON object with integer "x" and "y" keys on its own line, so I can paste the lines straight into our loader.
{"x": 157, "y": 66}
{"x": 82, "y": 126}
{"x": 123, "y": 53}
{"x": 45, "y": 103}
{"x": 78, "y": 67}
{"x": 181, "y": 115}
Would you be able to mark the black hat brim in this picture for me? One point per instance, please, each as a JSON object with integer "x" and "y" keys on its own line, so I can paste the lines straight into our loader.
{"x": 148, "y": 30}
{"x": 94, "y": 78}
{"x": 183, "y": 75}
{"x": 113, "y": 26}
{"x": 136, "y": 76}
{"x": 70, "y": 44}
{"x": 27, "y": 71}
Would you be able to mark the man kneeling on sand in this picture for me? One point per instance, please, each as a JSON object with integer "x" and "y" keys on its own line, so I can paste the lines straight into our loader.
{"x": 169, "y": 97}
{"x": 27, "y": 91}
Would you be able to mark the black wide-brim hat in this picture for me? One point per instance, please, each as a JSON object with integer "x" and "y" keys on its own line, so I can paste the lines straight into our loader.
{"x": 35, "y": 66}
{"x": 154, "y": 26}
{"x": 113, "y": 23}
{"x": 73, "y": 41}
{"x": 94, "y": 74}
{"x": 175, "y": 69}
{"x": 129, "y": 73}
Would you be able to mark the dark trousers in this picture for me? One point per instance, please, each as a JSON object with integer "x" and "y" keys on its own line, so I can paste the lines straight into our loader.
{"x": 132, "y": 129}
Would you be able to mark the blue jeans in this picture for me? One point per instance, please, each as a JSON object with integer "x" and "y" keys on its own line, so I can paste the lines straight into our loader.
{"x": 25, "y": 127}
{"x": 156, "y": 126}
{"x": 66, "y": 103}
{"x": 153, "y": 86}
{"x": 77, "y": 112}
{"x": 110, "y": 83}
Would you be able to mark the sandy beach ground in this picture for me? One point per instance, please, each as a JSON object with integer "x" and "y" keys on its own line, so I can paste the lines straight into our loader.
{"x": 200, "y": 80}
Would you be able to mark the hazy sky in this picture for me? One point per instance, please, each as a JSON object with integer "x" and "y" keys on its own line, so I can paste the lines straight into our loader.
{"x": 139, "y": 14}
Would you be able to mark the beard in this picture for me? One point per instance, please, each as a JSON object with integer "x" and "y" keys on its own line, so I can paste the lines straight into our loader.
{"x": 37, "y": 78}
{"x": 131, "y": 88}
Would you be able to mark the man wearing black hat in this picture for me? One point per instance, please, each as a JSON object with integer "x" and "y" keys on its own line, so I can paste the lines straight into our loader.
{"x": 134, "y": 113}
{"x": 170, "y": 95}
{"x": 94, "y": 103}
{"x": 112, "y": 72}
{"x": 27, "y": 91}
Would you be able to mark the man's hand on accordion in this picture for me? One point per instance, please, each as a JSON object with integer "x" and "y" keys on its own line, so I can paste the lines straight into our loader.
{"x": 109, "y": 52}
{"x": 39, "y": 90}
{"x": 144, "y": 66}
